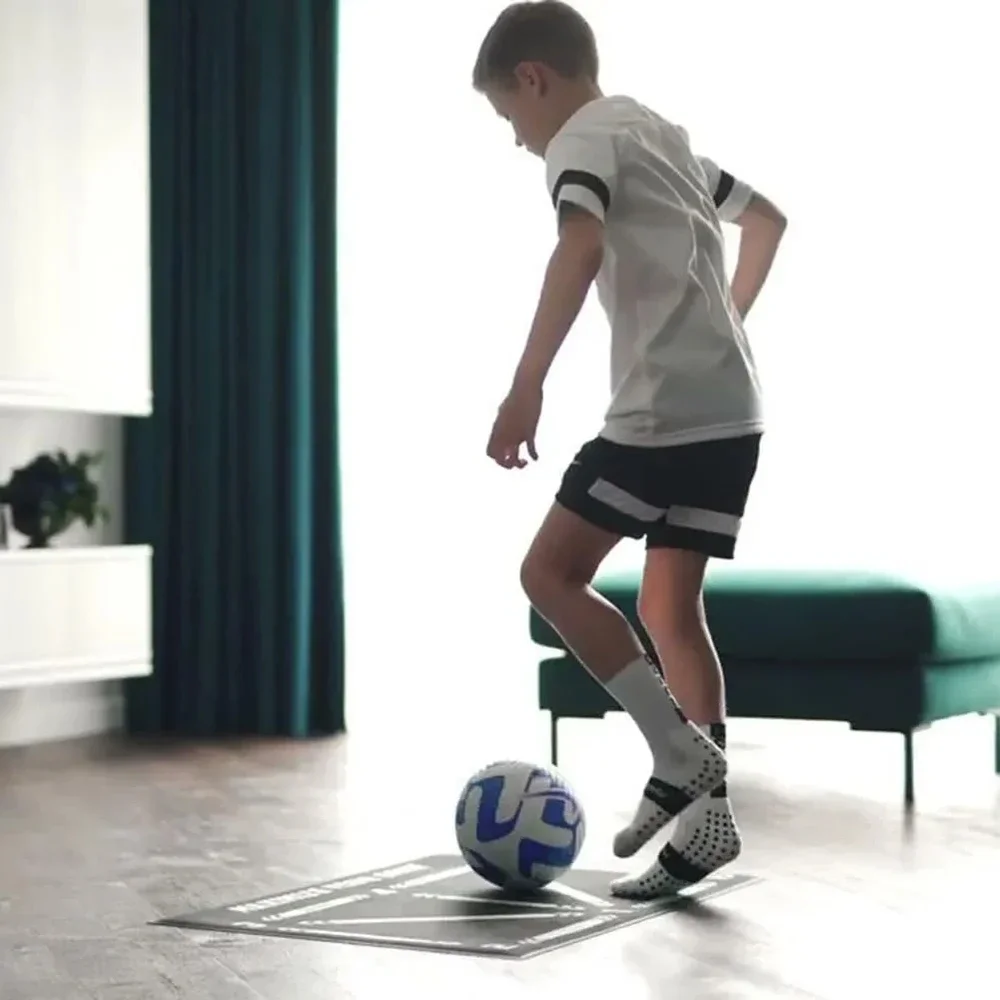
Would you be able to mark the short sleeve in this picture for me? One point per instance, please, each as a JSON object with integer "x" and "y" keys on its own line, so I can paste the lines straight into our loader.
{"x": 581, "y": 169}
{"x": 731, "y": 195}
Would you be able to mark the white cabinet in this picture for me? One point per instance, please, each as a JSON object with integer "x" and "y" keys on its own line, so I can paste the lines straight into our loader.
{"x": 69, "y": 615}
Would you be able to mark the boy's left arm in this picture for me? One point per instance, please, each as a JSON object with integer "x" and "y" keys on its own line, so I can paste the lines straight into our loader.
{"x": 572, "y": 268}
{"x": 571, "y": 271}
{"x": 581, "y": 171}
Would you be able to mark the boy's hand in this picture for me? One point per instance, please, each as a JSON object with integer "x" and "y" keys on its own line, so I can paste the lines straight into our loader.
{"x": 515, "y": 425}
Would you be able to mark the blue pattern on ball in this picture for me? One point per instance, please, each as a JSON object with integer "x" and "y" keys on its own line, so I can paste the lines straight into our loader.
{"x": 531, "y": 852}
{"x": 488, "y": 826}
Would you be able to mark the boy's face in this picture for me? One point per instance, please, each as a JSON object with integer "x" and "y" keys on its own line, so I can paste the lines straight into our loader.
{"x": 525, "y": 106}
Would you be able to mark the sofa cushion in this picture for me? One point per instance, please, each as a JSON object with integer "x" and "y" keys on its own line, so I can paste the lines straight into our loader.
{"x": 786, "y": 615}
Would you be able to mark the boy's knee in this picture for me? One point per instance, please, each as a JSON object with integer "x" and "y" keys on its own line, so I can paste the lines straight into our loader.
{"x": 542, "y": 577}
{"x": 532, "y": 576}
{"x": 539, "y": 578}
{"x": 670, "y": 618}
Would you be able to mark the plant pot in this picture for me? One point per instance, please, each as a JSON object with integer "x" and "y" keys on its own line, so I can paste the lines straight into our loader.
{"x": 31, "y": 523}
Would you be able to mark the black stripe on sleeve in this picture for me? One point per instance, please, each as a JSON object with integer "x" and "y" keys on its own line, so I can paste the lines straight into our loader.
{"x": 724, "y": 188}
{"x": 582, "y": 179}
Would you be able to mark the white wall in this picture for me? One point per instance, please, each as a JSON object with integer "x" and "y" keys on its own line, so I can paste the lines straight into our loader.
{"x": 74, "y": 274}
{"x": 876, "y": 336}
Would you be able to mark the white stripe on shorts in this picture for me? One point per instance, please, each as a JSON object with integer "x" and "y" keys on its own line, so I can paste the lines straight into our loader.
{"x": 624, "y": 503}
{"x": 704, "y": 520}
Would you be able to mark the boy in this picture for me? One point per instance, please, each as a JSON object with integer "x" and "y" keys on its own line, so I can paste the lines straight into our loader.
{"x": 639, "y": 214}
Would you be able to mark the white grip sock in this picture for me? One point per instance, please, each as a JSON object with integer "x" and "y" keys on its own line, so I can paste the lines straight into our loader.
{"x": 686, "y": 763}
{"x": 705, "y": 839}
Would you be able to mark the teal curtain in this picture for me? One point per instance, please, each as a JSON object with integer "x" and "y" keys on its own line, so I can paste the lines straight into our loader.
{"x": 234, "y": 479}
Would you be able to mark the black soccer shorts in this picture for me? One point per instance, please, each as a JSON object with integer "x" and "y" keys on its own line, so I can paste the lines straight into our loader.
{"x": 687, "y": 496}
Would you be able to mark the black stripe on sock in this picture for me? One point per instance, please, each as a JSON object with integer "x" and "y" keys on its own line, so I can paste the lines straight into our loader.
{"x": 581, "y": 178}
{"x": 724, "y": 188}
{"x": 717, "y": 731}
{"x": 678, "y": 867}
{"x": 669, "y": 798}
{"x": 654, "y": 665}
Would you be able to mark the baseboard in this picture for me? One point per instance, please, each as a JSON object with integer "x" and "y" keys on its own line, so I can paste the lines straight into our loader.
{"x": 48, "y": 713}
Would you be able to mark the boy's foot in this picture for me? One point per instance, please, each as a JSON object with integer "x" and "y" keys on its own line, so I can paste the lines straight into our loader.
{"x": 706, "y": 839}
{"x": 688, "y": 766}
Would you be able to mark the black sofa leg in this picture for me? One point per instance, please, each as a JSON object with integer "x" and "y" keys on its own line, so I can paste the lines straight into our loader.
{"x": 554, "y": 739}
{"x": 908, "y": 792}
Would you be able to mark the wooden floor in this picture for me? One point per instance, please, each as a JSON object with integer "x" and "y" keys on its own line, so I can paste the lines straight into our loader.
{"x": 857, "y": 900}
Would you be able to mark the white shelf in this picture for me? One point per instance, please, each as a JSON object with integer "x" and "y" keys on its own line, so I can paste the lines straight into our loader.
{"x": 74, "y": 615}
{"x": 18, "y": 394}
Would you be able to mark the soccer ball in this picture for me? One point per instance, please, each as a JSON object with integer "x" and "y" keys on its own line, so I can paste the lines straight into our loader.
{"x": 519, "y": 825}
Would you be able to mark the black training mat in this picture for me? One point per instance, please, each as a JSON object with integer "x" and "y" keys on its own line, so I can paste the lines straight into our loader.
{"x": 438, "y": 904}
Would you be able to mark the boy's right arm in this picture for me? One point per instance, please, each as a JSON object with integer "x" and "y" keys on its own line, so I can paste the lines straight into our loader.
{"x": 762, "y": 226}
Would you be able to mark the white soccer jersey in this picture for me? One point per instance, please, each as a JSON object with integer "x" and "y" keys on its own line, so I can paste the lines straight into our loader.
{"x": 681, "y": 368}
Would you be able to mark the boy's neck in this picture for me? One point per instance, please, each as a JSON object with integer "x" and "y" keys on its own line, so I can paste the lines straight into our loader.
{"x": 578, "y": 95}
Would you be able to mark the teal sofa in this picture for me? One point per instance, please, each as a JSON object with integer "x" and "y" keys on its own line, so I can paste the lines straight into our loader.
{"x": 877, "y": 651}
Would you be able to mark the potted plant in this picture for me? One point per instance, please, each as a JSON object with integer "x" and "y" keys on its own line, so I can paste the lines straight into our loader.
{"x": 51, "y": 493}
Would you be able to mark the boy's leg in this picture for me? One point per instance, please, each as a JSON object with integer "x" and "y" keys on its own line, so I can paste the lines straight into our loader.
{"x": 556, "y": 575}
{"x": 715, "y": 480}
{"x": 706, "y": 836}
{"x": 672, "y": 610}
{"x": 592, "y": 512}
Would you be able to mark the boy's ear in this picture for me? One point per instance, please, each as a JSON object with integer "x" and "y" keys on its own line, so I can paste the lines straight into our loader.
{"x": 532, "y": 75}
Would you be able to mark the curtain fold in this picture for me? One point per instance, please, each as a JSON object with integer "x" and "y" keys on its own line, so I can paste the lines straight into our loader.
{"x": 234, "y": 479}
